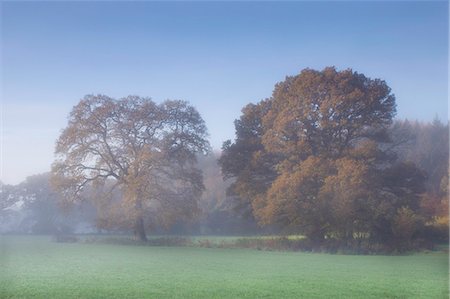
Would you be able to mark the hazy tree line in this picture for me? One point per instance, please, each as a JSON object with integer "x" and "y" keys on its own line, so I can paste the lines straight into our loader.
{"x": 33, "y": 207}
{"x": 322, "y": 157}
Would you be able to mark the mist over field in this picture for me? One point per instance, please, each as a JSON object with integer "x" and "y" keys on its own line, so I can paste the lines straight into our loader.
{"x": 224, "y": 150}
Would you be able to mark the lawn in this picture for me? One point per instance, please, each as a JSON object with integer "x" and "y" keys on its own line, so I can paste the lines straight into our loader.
{"x": 36, "y": 267}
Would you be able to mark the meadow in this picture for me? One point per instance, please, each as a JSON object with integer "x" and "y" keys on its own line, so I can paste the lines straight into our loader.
{"x": 37, "y": 267}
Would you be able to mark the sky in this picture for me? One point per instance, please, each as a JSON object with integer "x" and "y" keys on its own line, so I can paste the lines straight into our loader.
{"x": 219, "y": 56}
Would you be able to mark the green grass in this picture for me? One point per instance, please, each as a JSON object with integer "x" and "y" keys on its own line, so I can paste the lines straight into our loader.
{"x": 231, "y": 239}
{"x": 211, "y": 238}
{"x": 35, "y": 267}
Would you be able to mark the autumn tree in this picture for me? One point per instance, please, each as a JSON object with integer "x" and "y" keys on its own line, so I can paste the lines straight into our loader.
{"x": 246, "y": 160}
{"x": 324, "y": 138}
{"x": 140, "y": 156}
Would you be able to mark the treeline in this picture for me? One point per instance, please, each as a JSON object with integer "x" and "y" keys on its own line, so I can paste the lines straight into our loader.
{"x": 32, "y": 206}
{"x": 322, "y": 157}
{"x": 427, "y": 146}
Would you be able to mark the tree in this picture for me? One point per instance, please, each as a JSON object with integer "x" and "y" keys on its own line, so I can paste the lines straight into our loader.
{"x": 138, "y": 149}
{"x": 325, "y": 127}
{"x": 428, "y": 147}
{"x": 220, "y": 214}
{"x": 326, "y": 113}
{"x": 33, "y": 208}
{"x": 10, "y": 203}
{"x": 40, "y": 204}
{"x": 6, "y": 198}
{"x": 323, "y": 136}
{"x": 246, "y": 160}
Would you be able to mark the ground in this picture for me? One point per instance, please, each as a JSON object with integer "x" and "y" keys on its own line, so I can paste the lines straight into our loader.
{"x": 36, "y": 267}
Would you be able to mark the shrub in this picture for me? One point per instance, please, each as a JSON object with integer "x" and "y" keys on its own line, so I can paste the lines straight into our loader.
{"x": 405, "y": 225}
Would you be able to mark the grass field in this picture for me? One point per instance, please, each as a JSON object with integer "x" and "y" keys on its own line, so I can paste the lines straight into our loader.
{"x": 35, "y": 267}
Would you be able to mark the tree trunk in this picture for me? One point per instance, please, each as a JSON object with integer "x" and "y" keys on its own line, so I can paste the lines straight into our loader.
{"x": 139, "y": 230}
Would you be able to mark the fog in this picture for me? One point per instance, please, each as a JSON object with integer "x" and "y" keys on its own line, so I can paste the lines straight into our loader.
{"x": 32, "y": 207}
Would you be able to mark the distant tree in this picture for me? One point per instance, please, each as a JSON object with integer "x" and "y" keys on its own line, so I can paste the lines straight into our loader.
{"x": 34, "y": 208}
{"x": 312, "y": 158}
{"x": 214, "y": 196}
{"x": 41, "y": 204}
{"x": 428, "y": 146}
{"x": 6, "y": 198}
{"x": 136, "y": 148}
{"x": 221, "y": 214}
{"x": 10, "y": 202}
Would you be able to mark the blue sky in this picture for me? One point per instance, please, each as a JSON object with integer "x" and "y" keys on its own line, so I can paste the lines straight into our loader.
{"x": 217, "y": 55}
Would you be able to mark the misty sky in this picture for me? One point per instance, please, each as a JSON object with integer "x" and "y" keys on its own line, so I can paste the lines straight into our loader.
{"x": 217, "y": 55}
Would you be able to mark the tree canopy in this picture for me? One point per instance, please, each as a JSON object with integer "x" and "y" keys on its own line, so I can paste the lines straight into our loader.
{"x": 316, "y": 158}
{"x": 144, "y": 151}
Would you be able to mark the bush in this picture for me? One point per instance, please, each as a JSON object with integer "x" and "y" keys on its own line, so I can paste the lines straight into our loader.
{"x": 405, "y": 226}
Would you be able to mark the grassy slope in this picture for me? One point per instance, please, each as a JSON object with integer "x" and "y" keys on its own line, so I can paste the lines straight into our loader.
{"x": 33, "y": 267}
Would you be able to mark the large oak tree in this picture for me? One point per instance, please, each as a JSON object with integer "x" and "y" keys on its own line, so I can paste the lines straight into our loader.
{"x": 140, "y": 156}
{"x": 313, "y": 158}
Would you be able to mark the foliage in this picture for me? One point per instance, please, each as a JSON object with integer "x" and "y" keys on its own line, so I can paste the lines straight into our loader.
{"x": 316, "y": 158}
{"x": 406, "y": 223}
{"x": 427, "y": 145}
{"x": 33, "y": 208}
{"x": 10, "y": 202}
{"x": 246, "y": 160}
{"x": 138, "y": 149}
{"x": 6, "y": 199}
{"x": 325, "y": 113}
